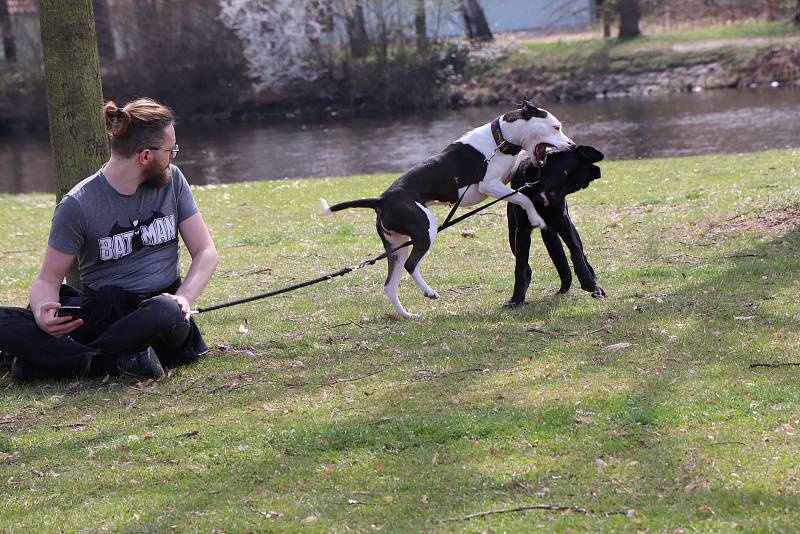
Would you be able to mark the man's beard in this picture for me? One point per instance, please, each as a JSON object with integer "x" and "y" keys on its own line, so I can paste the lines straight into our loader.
{"x": 155, "y": 176}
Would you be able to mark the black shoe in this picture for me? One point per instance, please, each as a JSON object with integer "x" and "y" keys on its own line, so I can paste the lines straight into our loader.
{"x": 143, "y": 364}
{"x": 20, "y": 371}
{"x": 25, "y": 371}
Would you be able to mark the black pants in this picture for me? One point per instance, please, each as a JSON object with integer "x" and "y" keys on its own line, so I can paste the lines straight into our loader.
{"x": 155, "y": 322}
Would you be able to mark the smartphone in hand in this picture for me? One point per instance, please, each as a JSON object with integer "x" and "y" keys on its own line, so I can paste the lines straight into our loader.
{"x": 70, "y": 311}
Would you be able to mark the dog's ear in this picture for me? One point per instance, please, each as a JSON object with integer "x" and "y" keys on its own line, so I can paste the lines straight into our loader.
{"x": 589, "y": 153}
{"x": 529, "y": 110}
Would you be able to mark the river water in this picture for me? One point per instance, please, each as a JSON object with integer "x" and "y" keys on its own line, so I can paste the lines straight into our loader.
{"x": 727, "y": 121}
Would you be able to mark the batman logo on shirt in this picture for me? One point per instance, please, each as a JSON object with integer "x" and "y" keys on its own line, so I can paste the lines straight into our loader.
{"x": 125, "y": 240}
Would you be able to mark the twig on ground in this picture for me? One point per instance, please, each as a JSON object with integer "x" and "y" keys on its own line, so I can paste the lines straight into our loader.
{"x": 616, "y": 223}
{"x": 724, "y": 443}
{"x": 70, "y": 425}
{"x": 604, "y": 328}
{"x": 343, "y": 380}
{"x": 677, "y": 257}
{"x": 634, "y": 434}
{"x": 259, "y": 271}
{"x": 758, "y": 364}
{"x": 4, "y": 252}
{"x": 347, "y": 323}
{"x": 427, "y": 373}
{"x": 188, "y": 434}
{"x": 187, "y": 388}
{"x": 553, "y": 507}
{"x": 537, "y": 330}
{"x": 231, "y": 385}
{"x": 711, "y": 244}
{"x": 746, "y": 256}
{"x": 457, "y": 290}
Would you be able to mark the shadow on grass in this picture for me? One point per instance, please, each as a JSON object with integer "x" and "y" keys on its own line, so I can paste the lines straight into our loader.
{"x": 632, "y": 424}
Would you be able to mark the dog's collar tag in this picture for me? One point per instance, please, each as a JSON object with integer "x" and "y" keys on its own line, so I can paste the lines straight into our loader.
{"x": 502, "y": 144}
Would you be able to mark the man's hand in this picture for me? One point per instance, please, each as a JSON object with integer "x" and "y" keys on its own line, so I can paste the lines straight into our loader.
{"x": 183, "y": 304}
{"x": 55, "y": 326}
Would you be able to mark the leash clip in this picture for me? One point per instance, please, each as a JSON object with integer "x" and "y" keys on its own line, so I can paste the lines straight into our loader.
{"x": 528, "y": 184}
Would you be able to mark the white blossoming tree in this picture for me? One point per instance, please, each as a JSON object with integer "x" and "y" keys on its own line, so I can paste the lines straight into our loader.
{"x": 281, "y": 38}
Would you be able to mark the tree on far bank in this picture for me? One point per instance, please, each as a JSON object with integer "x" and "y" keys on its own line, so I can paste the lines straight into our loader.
{"x": 357, "y": 36}
{"x": 102, "y": 23}
{"x": 797, "y": 14}
{"x": 603, "y": 12}
{"x": 74, "y": 93}
{"x": 476, "y": 27}
{"x": 9, "y": 49}
{"x": 420, "y": 27}
{"x": 629, "y": 15}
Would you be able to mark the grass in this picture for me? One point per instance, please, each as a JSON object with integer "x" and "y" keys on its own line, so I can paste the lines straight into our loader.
{"x": 317, "y": 411}
{"x": 548, "y": 62}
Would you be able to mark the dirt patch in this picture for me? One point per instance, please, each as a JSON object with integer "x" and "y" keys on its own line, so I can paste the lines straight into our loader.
{"x": 785, "y": 220}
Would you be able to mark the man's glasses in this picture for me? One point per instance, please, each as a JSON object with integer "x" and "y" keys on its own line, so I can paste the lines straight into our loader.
{"x": 173, "y": 152}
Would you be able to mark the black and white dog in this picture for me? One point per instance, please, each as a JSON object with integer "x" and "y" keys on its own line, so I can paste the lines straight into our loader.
{"x": 572, "y": 171}
{"x": 478, "y": 165}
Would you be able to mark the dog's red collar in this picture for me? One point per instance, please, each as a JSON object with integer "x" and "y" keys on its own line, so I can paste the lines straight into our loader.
{"x": 502, "y": 143}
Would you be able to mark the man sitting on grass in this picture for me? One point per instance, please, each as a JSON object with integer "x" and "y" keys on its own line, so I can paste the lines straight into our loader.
{"x": 122, "y": 225}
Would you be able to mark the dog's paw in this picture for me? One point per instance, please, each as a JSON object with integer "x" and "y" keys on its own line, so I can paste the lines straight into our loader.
{"x": 599, "y": 293}
{"x": 511, "y": 304}
{"x": 535, "y": 220}
{"x": 402, "y": 314}
{"x": 431, "y": 294}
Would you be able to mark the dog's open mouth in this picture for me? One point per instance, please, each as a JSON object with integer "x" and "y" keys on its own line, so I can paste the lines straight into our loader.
{"x": 539, "y": 152}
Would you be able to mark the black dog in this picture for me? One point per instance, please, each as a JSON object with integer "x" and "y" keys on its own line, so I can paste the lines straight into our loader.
{"x": 576, "y": 168}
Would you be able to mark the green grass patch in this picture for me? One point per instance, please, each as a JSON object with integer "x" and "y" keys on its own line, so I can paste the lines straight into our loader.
{"x": 562, "y": 60}
{"x": 318, "y": 411}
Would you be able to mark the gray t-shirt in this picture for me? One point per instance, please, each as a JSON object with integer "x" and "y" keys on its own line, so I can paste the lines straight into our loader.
{"x": 130, "y": 241}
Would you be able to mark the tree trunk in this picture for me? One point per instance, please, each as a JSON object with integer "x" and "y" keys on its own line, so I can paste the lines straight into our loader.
{"x": 9, "y": 49}
{"x": 604, "y": 13}
{"x": 629, "y": 15}
{"x": 475, "y": 26}
{"x": 772, "y": 11}
{"x": 797, "y": 14}
{"x": 357, "y": 31}
{"x": 102, "y": 22}
{"x": 421, "y": 27}
{"x": 74, "y": 93}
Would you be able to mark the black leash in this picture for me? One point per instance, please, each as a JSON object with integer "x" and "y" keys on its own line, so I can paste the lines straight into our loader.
{"x": 341, "y": 272}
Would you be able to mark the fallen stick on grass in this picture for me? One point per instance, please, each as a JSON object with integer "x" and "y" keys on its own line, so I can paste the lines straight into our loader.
{"x": 553, "y": 507}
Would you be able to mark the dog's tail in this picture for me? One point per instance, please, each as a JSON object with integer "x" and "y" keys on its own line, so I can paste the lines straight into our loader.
{"x": 373, "y": 203}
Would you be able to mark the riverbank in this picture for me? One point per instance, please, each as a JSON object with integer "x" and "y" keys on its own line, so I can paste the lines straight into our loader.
{"x": 316, "y": 411}
{"x": 721, "y": 57}
{"x": 568, "y": 68}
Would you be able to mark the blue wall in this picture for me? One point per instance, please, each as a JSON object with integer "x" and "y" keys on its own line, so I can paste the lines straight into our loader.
{"x": 515, "y": 15}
